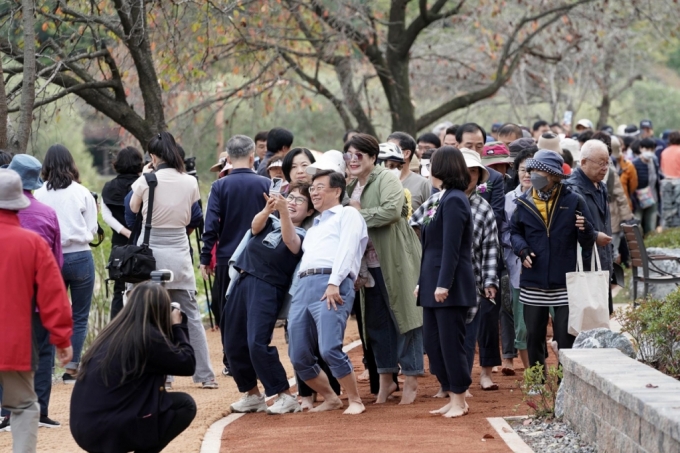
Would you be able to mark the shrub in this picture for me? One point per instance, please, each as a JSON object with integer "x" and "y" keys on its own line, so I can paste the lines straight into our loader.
{"x": 669, "y": 238}
{"x": 539, "y": 391}
{"x": 655, "y": 328}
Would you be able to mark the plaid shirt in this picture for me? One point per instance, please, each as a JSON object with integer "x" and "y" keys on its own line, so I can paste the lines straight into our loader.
{"x": 418, "y": 216}
{"x": 485, "y": 247}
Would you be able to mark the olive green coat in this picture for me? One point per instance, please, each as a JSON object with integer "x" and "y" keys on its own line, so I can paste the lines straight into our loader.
{"x": 384, "y": 209}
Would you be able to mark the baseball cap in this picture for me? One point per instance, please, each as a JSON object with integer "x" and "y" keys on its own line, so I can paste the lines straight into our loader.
{"x": 646, "y": 124}
{"x": 586, "y": 123}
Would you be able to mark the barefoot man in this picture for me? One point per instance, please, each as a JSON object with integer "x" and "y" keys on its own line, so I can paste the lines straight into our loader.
{"x": 324, "y": 296}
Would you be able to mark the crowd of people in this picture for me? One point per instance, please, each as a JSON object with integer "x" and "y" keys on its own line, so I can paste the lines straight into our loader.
{"x": 448, "y": 245}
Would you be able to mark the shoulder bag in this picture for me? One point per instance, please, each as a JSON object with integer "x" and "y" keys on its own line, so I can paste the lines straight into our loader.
{"x": 133, "y": 263}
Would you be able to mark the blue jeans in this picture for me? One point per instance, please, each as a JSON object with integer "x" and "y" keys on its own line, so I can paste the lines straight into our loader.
{"x": 312, "y": 323}
{"x": 78, "y": 274}
{"x": 390, "y": 348}
{"x": 647, "y": 218}
{"x": 42, "y": 381}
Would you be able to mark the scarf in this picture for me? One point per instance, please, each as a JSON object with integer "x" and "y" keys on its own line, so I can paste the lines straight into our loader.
{"x": 545, "y": 196}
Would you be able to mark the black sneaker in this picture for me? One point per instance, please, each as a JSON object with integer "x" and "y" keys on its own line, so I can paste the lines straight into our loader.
{"x": 4, "y": 424}
{"x": 69, "y": 378}
{"x": 226, "y": 372}
{"x": 47, "y": 422}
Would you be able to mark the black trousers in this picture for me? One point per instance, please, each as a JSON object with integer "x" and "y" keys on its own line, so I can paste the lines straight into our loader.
{"x": 536, "y": 320}
{"x": 305, "y": 390}
{"x": 444, "y": 341}
{"x": 117, "y": 301}
{"x": 219, "y": 291}
{"x": 487, "y": 338}
{"x": 182, "y": 411}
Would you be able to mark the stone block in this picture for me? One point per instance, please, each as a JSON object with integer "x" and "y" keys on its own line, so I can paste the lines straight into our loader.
{"x": 655, "y": 440}
{"x": 604, "y": 338}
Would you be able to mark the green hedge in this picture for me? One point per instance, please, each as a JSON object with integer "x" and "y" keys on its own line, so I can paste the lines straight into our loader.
{"x": 670, "y": 238}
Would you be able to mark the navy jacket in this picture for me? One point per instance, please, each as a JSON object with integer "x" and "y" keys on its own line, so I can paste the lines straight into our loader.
{"x": 643, "y": 179}
{"x": 598, "y": 214}
{"x": 132, "y": 416}
{"x": 495, "y": 196}
{"x": 447, "y": 254}
{"x": 553, "y": 244}
{"x": 234, "y": 201}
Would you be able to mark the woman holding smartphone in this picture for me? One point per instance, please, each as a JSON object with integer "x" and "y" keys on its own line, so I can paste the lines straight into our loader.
{"x": 119, "y": 402}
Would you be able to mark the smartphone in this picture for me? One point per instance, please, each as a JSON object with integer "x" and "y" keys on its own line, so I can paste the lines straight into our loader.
{"x": 275, "y": 188}
{"x": 567, "y": 117}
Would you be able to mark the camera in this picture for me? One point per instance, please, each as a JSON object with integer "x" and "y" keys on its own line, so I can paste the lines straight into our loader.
{"x": 190, "y": 166}
{"x": 162, "y": 276}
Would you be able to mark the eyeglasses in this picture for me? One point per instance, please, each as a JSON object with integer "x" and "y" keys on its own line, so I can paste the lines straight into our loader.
{"x": 425, "y": 147}
{"x": 313, "y": 189}
{"x": 297, "y": 200}
{"x": 350, "y": 156}
{"x": 600, "y": 164}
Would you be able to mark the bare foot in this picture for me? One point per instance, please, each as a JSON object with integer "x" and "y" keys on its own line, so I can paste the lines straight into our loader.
{"x": 383, "y": 393}
{"x": 408, "y": 394}
{"x": 495, "y": 369}
{"x": 442, "y": 410}
{"x": 468, "y": 394}
{"x": 485, "y": 380}
{"x": 553, "y": 345}
{"x": 457, "y": 411}
{"x": 328, "y": 405}
{"x": 363, "y": 376}
{"x": 508, "y": 367}
{"x": 354, "y": 408}
{"x": 307, "y": 402}
{"x": 440, "y": 394}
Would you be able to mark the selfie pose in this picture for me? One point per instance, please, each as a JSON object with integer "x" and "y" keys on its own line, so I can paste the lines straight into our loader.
{"x": 265, "y": 267}
{"x": 119, "y": 402}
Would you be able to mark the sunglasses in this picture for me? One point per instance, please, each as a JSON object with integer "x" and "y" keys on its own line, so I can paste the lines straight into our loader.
{"x": 351, "y": 156}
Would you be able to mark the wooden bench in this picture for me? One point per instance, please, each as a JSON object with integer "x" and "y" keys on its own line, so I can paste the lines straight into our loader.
{"x": 641, "y": 260}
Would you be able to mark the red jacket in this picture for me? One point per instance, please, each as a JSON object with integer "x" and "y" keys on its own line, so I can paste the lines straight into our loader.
{"x": 29, "y": 273}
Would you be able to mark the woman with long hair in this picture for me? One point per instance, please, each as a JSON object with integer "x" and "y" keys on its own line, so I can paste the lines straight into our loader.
{"x": 174, "y": 195}
{"x": 128, "y": 165}
{"x": 76, "y": 211}
{"x": 119, "y": 402}
{"x": 446, "y": 288}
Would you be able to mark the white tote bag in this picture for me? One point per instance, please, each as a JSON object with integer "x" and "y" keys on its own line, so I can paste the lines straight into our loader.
{"x": 588, "y": 296}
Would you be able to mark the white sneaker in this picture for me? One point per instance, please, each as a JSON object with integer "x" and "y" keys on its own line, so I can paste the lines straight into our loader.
{"x": 284, "y": 404}
{"x": 249, "y": 403}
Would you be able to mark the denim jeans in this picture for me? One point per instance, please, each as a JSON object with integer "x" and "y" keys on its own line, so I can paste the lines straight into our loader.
{"x": 647, "y": 218}
{"x": 311, "y": 323}
{"x": 42, "y": 381}
{"x": 78, "y": 274}
{"x": 520, "y": 326}
{"x": 390, "y": 348}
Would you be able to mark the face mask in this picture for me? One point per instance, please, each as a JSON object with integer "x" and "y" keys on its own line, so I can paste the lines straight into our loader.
{"x": 648, "y": 155}
{"x": 539, "y": 182}
{"x": 425, "y": 168}
{"x": 396, "y": 172}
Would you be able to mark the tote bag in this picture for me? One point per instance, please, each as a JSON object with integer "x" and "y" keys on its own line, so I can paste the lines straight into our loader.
{"x": 588, "y": 294}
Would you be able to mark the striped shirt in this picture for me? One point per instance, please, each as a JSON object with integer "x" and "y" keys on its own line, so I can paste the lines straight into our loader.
{"x": 543, "y": 297}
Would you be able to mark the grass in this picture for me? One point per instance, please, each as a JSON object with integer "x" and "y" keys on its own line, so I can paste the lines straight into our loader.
{"x": 669, "y": 238}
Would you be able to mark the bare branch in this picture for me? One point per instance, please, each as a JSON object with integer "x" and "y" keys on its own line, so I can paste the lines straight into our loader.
{"x": 69, "y": 90}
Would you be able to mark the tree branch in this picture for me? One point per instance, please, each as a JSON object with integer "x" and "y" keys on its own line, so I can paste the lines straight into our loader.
{"x": 421, "y": 22}
{"x": 69, "y": 90}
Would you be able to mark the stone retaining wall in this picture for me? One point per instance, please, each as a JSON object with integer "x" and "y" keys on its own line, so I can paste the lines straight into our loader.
{"x": 609, "y": 402}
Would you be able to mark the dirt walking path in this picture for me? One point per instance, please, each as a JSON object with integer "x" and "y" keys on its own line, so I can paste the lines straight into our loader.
{"x": 384, "y": 428}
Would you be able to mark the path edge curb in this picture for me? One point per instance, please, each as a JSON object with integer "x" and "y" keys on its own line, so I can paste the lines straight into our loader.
{"x": 212, "y": 440}
{"x": 508, "y": 435}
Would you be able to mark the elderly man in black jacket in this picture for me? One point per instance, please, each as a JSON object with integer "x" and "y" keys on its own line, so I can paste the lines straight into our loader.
{"x": 587, "y": 182}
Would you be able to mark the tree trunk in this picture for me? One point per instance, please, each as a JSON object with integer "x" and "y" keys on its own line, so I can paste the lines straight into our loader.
{"x": 20, "y": 143}
{"x": 3, "y": 110}
{"x": 605, "y": 106}
{"x": 402, "y": 111}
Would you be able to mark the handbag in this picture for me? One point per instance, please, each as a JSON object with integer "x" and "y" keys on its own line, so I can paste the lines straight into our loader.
{"x": 134, "y": 263}
{"x": 645, "y": 197}
{"x": 588, "y": 294}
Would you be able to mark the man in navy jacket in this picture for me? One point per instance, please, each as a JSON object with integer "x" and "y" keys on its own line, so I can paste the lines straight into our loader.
{"x": 234, "y": 201}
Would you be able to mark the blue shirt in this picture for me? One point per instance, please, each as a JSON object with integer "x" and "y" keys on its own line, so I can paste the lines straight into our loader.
{"x": 234, "y": 201}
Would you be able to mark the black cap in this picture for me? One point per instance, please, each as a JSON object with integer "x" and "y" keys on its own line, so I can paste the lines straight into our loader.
{"x": 646, "y": 124}
{"x": 632, "y": 129}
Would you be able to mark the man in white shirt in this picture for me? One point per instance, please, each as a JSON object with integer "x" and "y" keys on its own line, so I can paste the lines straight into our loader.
{"x": 332, "y": 249}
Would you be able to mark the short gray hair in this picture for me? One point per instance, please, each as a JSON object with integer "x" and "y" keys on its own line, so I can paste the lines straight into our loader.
{"x": 240, "y": 146}
{"x": 592, "y": 145}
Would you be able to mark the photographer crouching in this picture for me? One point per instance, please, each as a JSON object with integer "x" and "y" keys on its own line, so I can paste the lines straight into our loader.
{"x": 119, "y": 403}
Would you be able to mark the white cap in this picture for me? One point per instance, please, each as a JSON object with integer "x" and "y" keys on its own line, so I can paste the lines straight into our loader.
{"x": 330, "y": 160}
{"x": 573, "y": 147}
{"x": 585, "y": 123}
{"x": 472, "y": 159}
